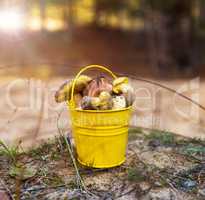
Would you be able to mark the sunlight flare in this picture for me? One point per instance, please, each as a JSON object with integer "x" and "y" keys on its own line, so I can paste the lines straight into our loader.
{"x": 11, "y": 19}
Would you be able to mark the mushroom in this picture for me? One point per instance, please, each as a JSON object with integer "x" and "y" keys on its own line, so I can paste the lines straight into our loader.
{"x": 64, "y": 92}
{"x": 121, "y": 86}
{"x": 119, "y": 102}
{"x": 96, "y": 86}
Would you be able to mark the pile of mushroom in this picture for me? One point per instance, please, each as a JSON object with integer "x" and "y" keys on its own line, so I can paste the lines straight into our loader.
{"x": 97, "y": 93}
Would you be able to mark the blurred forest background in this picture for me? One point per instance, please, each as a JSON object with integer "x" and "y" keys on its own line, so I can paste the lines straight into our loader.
{"x": 148, "y": 37}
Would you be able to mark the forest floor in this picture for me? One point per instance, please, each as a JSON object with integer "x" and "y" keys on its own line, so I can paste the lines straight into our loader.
{"x": 159, "y": 166}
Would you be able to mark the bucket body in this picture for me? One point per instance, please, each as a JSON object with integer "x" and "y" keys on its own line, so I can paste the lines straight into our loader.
{"x": 100, "y": 136}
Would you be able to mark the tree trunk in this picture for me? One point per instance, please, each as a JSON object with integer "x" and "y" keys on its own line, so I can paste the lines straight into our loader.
{"x": 69, "y": 17}
{"x": 181, "y": 35}
{"x": 97, "y": 13}
{"x": 26, "y": 9}
{"x": 202, "y": 9}
{"x": 157, "y": 39}
{"x": 42, "y": 5}
{"x": 172, "y": 33}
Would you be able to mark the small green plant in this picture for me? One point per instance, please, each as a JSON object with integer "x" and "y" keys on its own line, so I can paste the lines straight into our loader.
{"x": 135, "y": 175}
{"x": 197, "y": 141}
{"x": 165, "y": 138}
{"x": 193, "y": 149}
{"x": 136, "y": 130}
{"x": 193, "y": 141}
{"x": 134, "y": 133}
{"x": 10, "y": 152}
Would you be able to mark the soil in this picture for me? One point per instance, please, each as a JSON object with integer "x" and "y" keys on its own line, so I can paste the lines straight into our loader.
{"x": 159, "y": 166}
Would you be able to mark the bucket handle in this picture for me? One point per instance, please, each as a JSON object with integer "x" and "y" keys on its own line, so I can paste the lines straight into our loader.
{"x": 83, "y": 70}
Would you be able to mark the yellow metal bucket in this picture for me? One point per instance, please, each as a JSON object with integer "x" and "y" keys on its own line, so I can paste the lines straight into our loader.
{"x": 100, "y": 136}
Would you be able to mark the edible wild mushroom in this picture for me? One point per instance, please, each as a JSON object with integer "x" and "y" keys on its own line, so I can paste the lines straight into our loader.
{"x": 103, "y": 102}
{"x": 64, "y": 92}
{"x": 90, "y": 103}
{"x": 121, "y": 86}
{"x": 96, "y": 86}
{"x": 119, "y": 102}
